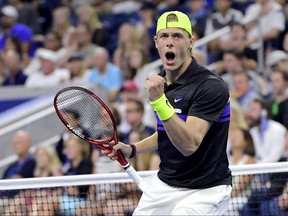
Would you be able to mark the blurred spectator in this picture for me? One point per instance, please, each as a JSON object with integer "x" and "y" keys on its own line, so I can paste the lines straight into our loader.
{"x": 147, "y": 20}
{"x": 87, "y": 15}
{"x": 237, "y": 40}
{"x": 103, "y": 71}
{"x": 279, "y": 105}
{"x": 78, "y": 155}
{"x": 52, "y": 41}
{"x": 47, "y": 162}
{"x": 28, "y": 14}
{"x": 224, "y": 15}
{"x": 10, "y": 27}
{"x": 25, "y": 164}
{"x": 49, "y": 75}
{"x": 242, "y": 91}
{"x": 237, "y": 120}
{"x": 62, "y": 25}
{"x": 127, "y": 40}
{"x": 129, "y": 91}
{"x": 198, "y": 13}
{"x": 77, "y": 68}
{"x": 13, "y": 68}
{"x": 84, "y": 43}
{"x": 268, "y": 135}
{"x": 138, "y": 131}
{"x": 277, "y": 59}
{"x": 243, "y": 152}
{"x": 278, "y": 205}
{"x": 138, "y": 71}
{"x": 285, "y": 41}
{"x": 13, "y": 44}
{"x": 267, "y": 17}
{"x": 234, "y": 62}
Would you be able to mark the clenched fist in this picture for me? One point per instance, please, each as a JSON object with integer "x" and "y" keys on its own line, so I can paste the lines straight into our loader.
{"x": 154, "y": 86}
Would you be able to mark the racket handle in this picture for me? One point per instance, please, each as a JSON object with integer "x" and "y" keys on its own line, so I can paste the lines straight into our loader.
{"x": 121, "y": 159}
{"x": 133, "y": 174}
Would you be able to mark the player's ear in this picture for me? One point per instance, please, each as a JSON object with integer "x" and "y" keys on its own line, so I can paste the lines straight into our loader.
{"x": 155, "y": 41}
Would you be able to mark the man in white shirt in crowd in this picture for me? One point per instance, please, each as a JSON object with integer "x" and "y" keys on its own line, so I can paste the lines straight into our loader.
{"x": 48, "y": 75}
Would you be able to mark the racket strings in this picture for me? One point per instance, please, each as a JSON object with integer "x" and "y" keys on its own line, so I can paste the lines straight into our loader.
{"x": 85, "y": 115}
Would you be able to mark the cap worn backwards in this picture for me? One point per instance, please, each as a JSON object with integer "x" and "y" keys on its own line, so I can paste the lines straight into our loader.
{"x": 174, "y": 19}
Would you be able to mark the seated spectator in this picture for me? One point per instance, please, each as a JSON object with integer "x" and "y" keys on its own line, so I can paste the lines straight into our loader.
{"x": 127, "y": 41}
{"x": 198, "y": 13}
{"x": 233, "y": 62}
{"x": 62, "y": 25}
{"x": 28, "y": 14}
{"x": 267, "y": 17}
{"x": 268, "y": 135}
{"x": 129, "y": 91}
{"x": 147, "y": 21}
{"x": 278, "y": 205}
{"x": 47, "y": 162}
{"x": 237, "y": 41}
{"x": 87, "y": 15}
{"x": 224, "y": 15}
{"x": 49, "y": 75}
{"x": 12, "y": 28}
{"x": 13, "y": 44}
{"x": 52, "y": 41}
{"x": 13, "y": 67}
{"x": 22, "y": 168}
{"x": 277, "y": 59}
{"x": 242, "y": 152}
{"x": 78, "y": 155}
{"x": 138, "y": 71}
{"x": 279, "y": 104}
{"x": 77, "y": 68}
{"x": 138, "y": 131}
{"x": 25, "y": 164}
{"x": 83, "y": 42}
{"x": 242, "y": 91}
{"x": 103, "y": 71}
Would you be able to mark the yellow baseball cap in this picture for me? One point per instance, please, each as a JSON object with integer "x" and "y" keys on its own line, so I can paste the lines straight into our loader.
{"x": 174, "y": 19}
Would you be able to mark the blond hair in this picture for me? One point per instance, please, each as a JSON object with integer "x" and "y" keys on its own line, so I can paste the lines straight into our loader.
{"x": 54, "y": 162}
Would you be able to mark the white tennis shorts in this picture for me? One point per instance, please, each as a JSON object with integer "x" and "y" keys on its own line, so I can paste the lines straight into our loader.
{"x": 161, "y": 199}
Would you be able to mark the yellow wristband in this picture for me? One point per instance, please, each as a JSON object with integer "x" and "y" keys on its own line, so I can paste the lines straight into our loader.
{"x": 163, "y": 108}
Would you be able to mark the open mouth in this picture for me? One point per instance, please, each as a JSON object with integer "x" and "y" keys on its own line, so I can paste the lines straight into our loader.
{"x": 170, "y": 56}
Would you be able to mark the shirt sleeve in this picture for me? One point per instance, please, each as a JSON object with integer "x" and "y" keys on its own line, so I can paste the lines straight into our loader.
{"x": 210, "y": 100}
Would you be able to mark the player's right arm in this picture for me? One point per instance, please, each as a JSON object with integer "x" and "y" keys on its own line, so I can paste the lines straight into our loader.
{"x": 146, "y": 145}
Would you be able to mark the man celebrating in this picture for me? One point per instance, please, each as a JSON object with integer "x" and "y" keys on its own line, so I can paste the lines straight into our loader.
{"x": 193, "y": 112}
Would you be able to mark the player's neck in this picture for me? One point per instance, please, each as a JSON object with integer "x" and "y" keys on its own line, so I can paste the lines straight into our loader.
{"x": 172, "y": 76}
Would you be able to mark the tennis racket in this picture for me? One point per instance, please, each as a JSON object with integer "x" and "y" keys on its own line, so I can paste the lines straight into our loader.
{"x": 89, "y": 118}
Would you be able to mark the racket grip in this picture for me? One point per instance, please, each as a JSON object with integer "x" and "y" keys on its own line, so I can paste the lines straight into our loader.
{"x": 133, "y": 175}
{"x": 121, "y": 159}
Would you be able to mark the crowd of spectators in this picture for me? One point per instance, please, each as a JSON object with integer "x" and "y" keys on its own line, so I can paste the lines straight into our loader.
{"x": 109, "y": 43}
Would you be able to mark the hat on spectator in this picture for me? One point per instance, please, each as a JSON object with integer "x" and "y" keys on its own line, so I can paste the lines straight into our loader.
{"x": 10, "y": 11}
{"x": 147, "y": 5}
{"x": 47, "y": 54}
{"x": 174, "y": 19}
{"x": 76, "y": 56}
{"x": 129, "y": 85}
{"x": 276, "y": 56}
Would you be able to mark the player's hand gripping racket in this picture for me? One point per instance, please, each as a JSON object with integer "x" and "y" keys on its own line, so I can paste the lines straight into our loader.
{"x": 94, "y": 121}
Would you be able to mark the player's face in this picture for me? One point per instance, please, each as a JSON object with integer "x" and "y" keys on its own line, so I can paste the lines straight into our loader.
{"x": 174, "y": 47}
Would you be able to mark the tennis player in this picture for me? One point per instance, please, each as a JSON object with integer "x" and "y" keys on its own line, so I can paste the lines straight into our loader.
{"x": 193, "y": 113}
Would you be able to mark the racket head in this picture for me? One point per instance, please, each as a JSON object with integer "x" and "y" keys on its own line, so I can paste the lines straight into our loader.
{"x": 86, "y": 115}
